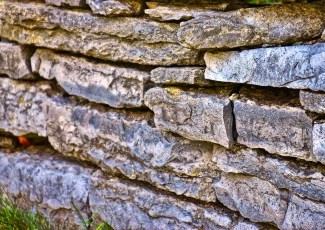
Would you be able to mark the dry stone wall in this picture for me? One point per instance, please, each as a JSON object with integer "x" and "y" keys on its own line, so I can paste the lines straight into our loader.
{"x": 164, "y": 115}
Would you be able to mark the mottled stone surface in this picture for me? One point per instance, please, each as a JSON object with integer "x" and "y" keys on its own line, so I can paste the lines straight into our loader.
{"x": 116, "y": 7}
{"x": 195, "y": 115}
{"x": 14, "y": 61}
{"x": 319, "y": 141}
{"x": 126, "y": 143}
{"x": 103, "y": 83}
{"x": 275, "y": 24}
{"x": 177, "y": 12}
{"x": 254, "y": 198}
{"x": 180, "y": 76}
{"x": 74, "y": 3}
{"x": 155, "y": 211}
{"x": 21, "y": 106}
{"x": 300, "y": 177}
{"x": 7, "y": 142}
{"x": 297, "y": 67}
{"x": 42, "y": 181}
{"x": 272, "y": 120}
{"x": 323, "y": 35}
{"x": 115, "y": 39}
{"x": 313, "y": 101}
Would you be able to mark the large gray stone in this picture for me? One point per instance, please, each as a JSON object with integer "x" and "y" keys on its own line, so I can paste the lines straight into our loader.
{"x": 74, "y": 3}
{"x": 319, "y": 141}
{"x": 303, "y": 178}
{"x": 103, "y": 83}
{"x": 275, "y": 24}
{"x": 14, "y": 61}
{"x": 313, "y": 101}
{"x": 273, "y": 120}
{"x": 297, "y": 67}
{"x": 116, "y": 7}
{"x": 197, "y": 115}
{"x": 37, "y": 179}
{"x": 115, "y": 39}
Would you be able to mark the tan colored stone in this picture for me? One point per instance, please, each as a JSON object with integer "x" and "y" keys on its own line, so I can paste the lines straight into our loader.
{"x": 313, "y": 101}
{"x": 116, "y": 7}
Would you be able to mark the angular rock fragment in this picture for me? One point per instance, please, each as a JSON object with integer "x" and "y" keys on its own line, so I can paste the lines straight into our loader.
{"x": 203, "y": 116}
{"x": 115, "y": 39}
{"x": 323, "y": 35}
{"x": 116, "y": 7}
{"x": 125, "y": 143}
{"x": 300, "y": 177}
{"x": 313, "y": 101}
{"x": 8, "y": 142}
{"x": 273, "y": 120}
{"x": 275, "y": 24}
{"x": 297, "y": 67}
{"x": 319, "y": 141}
{"x": 103, "y": 83}
{"x": 74, "y": 3}
{"x": 39, "y": 180}
{"x": 21, "y": 106}
{"x": 256, "y": 199}
{"x": 14, "y": 61}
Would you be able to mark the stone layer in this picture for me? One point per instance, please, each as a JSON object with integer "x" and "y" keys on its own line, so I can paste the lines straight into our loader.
{"x": 313, "y": 101}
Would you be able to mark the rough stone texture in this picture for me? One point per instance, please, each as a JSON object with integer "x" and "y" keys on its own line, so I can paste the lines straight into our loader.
{"x": 256, "y": 199}
{"x": 14, "y": 61}
{"x": 195, "y": 115}
{"x": 176, "y": 12}
{"x": 103, "y": 83}
{"x": 116, "y": 7}
{"x": 7, "y": 142}
{"x": 21, "y": 106}
{"x": 155, "y": 211}
{"x": 304, "y": 214}
{"x": 300, "y": 177}
{"x": 313, "y": 101}
{"x": 126, "y": 144}
{"x": 180, "y": 76}
{"x": 275, "y": 24}
{"x": 323, "y": 35}
{"x": 115, "y": 39}
{"x": 319, "y": 141}
{"x": 41, "y": 181}
{"x": 74, "y": 3}
{"x": 272, "y": 120}
{"x": 297, "y": 67}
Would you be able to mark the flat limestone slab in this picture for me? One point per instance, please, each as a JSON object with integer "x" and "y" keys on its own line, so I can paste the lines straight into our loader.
{"x": 102, "y": 83}
{"x": 116, "y": 7}
{"x": 319, "y": 140}
{"x": 296, "y": 67}
{"x": 275, "y": 24}
{"x": 74, "y": 3}
{"x": 313, "y": 101}
{"x": 197, "y": 115}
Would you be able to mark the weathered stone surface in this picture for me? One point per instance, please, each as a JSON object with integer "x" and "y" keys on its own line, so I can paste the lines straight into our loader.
{"x": 40, "y": 180}
{"x": 180, "y": 76}
{"x": 172, "y": 12}
{"x": 300, "y": 177}
{"x": 155, "y": 211}
{"x": 74, "y": 3}
{"x": 103, "y": 83}
{"x": 272, "y": 120}
{"x": 7, "y": 142}
{"x": 313, "y": 101}
{"x": 21, "y": 106}
{"x": 323, "y": 35}
{"x": 304, "y": 214}
{"x": 319, "y": 141}
{"x": 116, "y": 7}
{"x": 297, "y": 67}
{"x": 275, "y": 24}
{"x": 126, "y": 144}
{"x": 14, "y": 61}
{"x": 115, "y": 39}
{"x": 256, "y": 199}
{"x": 194, "y": 115}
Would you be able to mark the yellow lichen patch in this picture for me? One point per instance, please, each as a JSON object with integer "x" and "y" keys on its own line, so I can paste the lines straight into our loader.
{"x": 173, "y": 91}
{"x": 21, "y": 100}
{"x": 195, "y": 172}
{"x": 11, "y": 119}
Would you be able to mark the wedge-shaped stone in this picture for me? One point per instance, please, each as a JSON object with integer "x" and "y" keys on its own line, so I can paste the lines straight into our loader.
{"x": 303, "y": 178}
{"x": 297, "y": 67}
{"x": 323, "y": 35}
{"x": 203, "y": 116}
{"x": 116, "y": 7}
{"x": 103, "y": 83}
{"x": 37, "y": 179}
{"x": 116, "y": 39}
{"x": 319, "y": 141}
{"x": 256, "y": 199}
{"x": 273, "y": 120}
{"x": 125, "y": 143}
{"x": 14, "y": 61}
{"x": 131, "y": 206}
{"x": 74, "y": 3}
{"x": 276, "y": 24}
{"x": 313, "y": 101}
{"x": 21, "y": 106}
